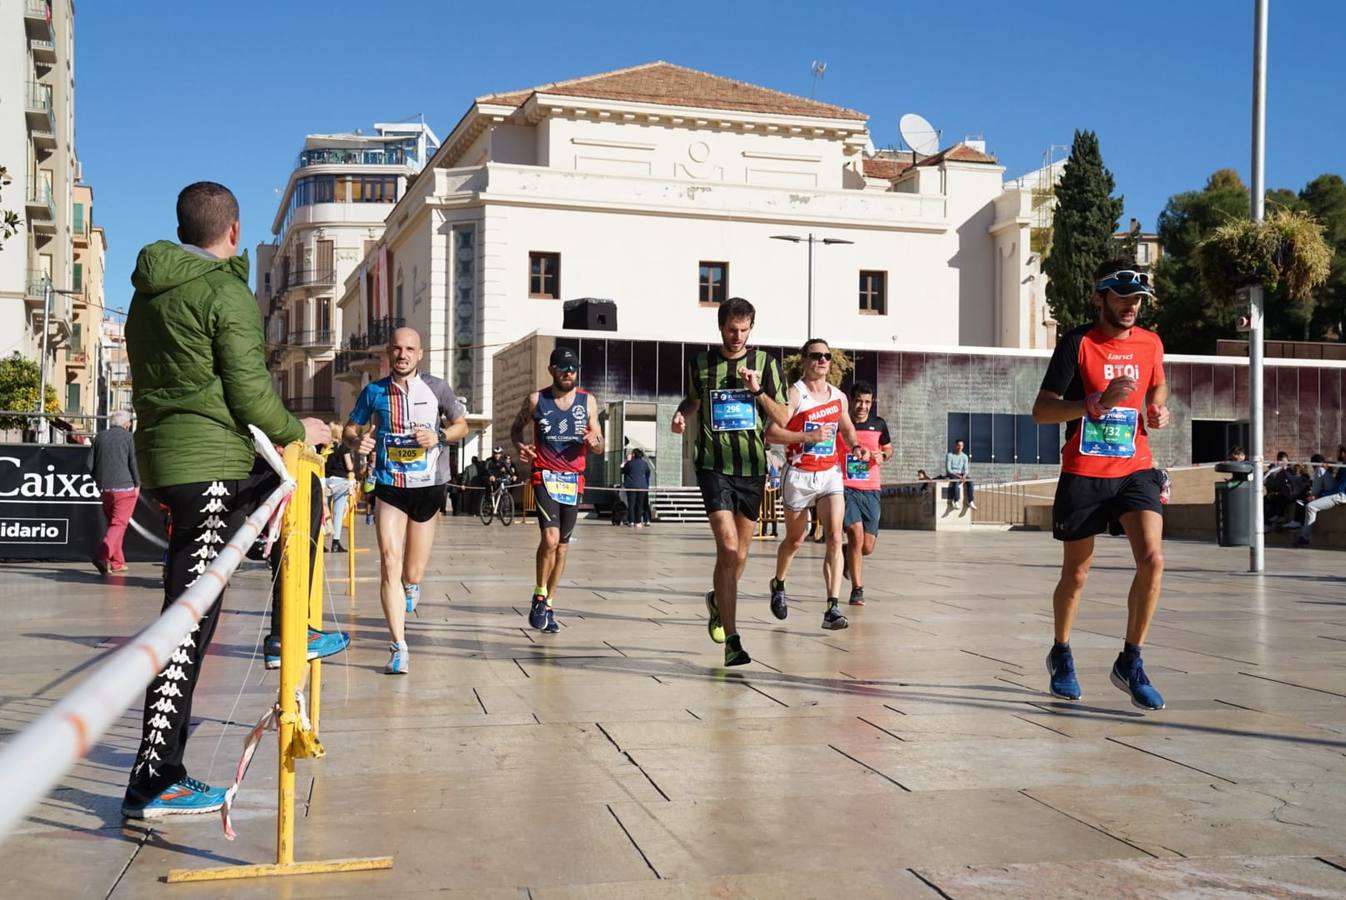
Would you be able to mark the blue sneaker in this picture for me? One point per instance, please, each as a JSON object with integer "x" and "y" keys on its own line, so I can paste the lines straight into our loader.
{"x": 537, "y": 613}
{"x": 1061, "y": 669}
{"x": 413, "y": 596}
{"x": 399, "y": 663}
{"x": 321, "y": 644}
{"x": 550, "y": 627}
{"x": 1129, "y": 676}
{"x": 183, "y": 798}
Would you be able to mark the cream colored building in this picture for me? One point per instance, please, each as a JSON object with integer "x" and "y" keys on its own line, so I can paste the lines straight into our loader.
{"x": 331, "y": 212}
{"x": 661, "y": 188}
{"x": 37, "y": 145}
{"x": 79, "y": 359}
{"x": 116, "y": 367}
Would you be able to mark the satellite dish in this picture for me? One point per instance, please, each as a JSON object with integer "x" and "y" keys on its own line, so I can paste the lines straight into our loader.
{"x": 919, "y": 134}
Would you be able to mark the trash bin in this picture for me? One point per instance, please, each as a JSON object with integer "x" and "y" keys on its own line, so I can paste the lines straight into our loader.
{"x": 1233, "y": 505}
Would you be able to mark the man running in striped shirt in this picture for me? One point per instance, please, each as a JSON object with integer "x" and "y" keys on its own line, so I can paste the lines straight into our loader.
{"x": 737, "y": 392}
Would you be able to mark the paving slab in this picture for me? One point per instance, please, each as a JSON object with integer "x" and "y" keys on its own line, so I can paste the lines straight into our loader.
{"x": 915, "y": 754}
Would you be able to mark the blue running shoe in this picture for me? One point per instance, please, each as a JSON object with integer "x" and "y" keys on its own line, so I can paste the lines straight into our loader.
{"x": 780, "y": 604}
{"x": 537, "y": 613}
{"x": 833, "y": 620}
{"x": 413, "y": 596}
{"x": 1129, "y": 676}
{"x": 1061, "y": 671}
{"x": 321, "y": 644}
{"x": 550, "y": 627}
{"x": 183, "y": 798}
{"x": 713, "y": 624}
{"x": 399, "y": 663}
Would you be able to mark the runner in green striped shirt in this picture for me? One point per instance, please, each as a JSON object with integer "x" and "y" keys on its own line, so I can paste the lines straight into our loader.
{"x": 737, "y": 392}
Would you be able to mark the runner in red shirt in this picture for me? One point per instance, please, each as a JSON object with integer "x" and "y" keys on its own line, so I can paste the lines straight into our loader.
{"x": 1106, "y": 382}
{"x": 863, "y": 486}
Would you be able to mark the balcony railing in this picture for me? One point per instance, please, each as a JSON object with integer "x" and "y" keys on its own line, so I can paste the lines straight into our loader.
{"x": 320, "y": 338}
{"x": 381, "y": 330}
{"x": 41, "y": 209}
{"x": 37, "y": 19}
{"x": 43, "y": 51}
{"x": 310, "y": 405}
{"x": 341, "y": 156}
{"x": 36, "y": 286}
{"x": 346, "y": 360}
{"x": 306, "y": 278}
{"x": 37, "y": 105}
{"x": 75, "y": 357}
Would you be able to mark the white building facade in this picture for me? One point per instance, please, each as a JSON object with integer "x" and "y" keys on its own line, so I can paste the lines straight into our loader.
{"x": 331, "y": 213}
{"x": 661, "y": 189}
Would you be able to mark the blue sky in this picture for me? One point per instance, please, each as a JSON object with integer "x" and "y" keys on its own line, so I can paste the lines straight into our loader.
{"x": 166, "y": 96}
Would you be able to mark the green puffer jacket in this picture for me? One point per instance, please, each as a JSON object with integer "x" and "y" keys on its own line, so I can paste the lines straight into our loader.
{"x": 198, "y": 368}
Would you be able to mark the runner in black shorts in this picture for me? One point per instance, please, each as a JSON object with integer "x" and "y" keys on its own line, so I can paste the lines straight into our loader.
{"x": 565, "y": 431}
{"x": 863, "y": 486}
{"x": 733, "y": 388}
{"x": 414, "y": 417}
{"x": 1106, "y": 381}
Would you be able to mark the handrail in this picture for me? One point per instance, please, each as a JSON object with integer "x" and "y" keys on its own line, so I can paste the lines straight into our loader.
{"x": 34, "y": 761}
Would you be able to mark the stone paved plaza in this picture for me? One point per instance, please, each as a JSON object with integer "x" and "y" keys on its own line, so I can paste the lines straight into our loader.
{"x": 915, "y": 755}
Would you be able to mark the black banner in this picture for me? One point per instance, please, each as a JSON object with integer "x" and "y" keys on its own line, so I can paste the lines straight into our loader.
{"x": 50, "y": 507}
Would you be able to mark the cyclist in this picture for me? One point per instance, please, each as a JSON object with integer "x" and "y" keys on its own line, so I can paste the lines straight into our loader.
{"x": 411, "y": 475}
{"x": 565, "y": 431}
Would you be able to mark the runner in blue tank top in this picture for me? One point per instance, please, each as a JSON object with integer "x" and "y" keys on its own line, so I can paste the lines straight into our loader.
{"x": 565, "y": 431}
{"x": 414, "y": 417}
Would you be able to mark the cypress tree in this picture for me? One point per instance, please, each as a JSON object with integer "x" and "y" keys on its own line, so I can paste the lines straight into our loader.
{"x": 1083, "y": 225}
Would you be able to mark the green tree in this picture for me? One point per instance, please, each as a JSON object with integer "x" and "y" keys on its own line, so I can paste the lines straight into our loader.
{"x": 1083, "y": 225}
{"x": 9, "y": 220}
{"x": 1186, "y": 314}
{"x": 19, "y": 379}
{"x": 1325, "y": 198}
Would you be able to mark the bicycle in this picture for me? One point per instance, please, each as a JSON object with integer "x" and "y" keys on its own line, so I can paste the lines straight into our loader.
{"x": 499, "y": 503}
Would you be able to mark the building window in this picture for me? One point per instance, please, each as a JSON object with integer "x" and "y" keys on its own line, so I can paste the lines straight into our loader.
{"x": 544, "y": 276}
{"x": 1005, "y": 438}
{"x": 78, "y": 282}
{"x": 78, "y": 223}
{"x": 874, "y": 293}
{"x": 712, "y": 283}
{"x": 1143, "y": 254}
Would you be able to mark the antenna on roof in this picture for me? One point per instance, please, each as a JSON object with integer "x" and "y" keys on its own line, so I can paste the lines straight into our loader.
{"x": 920, "y": 136}
{"x": 819, "y": 69}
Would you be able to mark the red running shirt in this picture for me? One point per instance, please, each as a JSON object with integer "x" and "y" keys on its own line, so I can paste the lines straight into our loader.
{"x": 811, "y": 415}
{"x": 1083, "y": 363}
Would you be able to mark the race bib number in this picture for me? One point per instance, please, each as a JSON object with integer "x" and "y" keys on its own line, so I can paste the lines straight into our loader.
{"x": 403, "y": 453}
{"x": 822, "y": 448}
{"x": 857, "y": 469}
{"x": 733, "y": 410}
{"x": 1112, "y": 435}
{"x": 564, "y": 487}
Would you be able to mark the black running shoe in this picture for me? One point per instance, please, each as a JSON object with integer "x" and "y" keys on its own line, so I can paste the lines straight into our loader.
{"x": 857, "y": 596}
{"x": 537, "y": 612}
{"x": 734, "y": 654}
{"x": 780, "y": 604}
{"x": 833, "y": 620}
{"x": 713, "y": 623}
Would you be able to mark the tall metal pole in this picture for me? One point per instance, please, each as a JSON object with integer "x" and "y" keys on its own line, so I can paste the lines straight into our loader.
{"x": 41, "y": 429}
{"x": 809, "y": 334}
{"x": 1257, "y": 551}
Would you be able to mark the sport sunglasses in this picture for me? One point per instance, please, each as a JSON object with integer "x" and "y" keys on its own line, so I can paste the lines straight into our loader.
{"x": 820, "y": 357}
{"x": 567, "y": 370}
{"x": 1126, "y": 282}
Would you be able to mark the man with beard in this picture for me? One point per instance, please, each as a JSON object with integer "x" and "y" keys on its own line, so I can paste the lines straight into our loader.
{"x": 565, "y": 431}
{"x": 1106, "y": 381}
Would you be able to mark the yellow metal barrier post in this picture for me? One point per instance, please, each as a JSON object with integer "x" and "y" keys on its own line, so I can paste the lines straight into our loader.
{"x": 298, "y": 588}
{"x": 316, "y": 582}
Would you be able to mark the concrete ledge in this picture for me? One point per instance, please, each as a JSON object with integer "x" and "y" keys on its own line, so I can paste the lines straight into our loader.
{"x": 923, "y": 507}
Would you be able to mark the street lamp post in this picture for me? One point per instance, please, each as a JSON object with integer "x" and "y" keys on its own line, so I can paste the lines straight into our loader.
{"x": 1256, "y": 330}
{"x": 810, "y": 240}
{"x": 43, "y": 433}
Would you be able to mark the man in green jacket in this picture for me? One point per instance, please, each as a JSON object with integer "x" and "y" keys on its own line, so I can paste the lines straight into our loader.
{"x": 198, "y": 370}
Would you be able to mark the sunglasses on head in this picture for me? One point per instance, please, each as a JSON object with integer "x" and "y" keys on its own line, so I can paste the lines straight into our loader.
{"x": 820, "y": 357}
{"x": 1126, "y": 282}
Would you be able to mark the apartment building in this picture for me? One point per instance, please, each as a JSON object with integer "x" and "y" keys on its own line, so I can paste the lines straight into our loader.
{"x": 80, "y": 359}
{"x": 37, "y": 146}
{"x": 331, "y": 213}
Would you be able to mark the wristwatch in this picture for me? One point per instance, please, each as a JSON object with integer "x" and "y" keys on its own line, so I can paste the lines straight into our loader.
{"x": 443, "y": 441}
{"x": 759, "y": 392}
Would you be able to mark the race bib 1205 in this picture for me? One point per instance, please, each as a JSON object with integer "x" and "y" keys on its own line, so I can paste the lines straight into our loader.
{"x": 1112, "y": 435}
{"x": 403, "y": 453}
{"x": 732, "y": 410}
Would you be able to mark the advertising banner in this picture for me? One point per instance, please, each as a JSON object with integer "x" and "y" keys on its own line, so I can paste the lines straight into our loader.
{"x": 50, "y": 507}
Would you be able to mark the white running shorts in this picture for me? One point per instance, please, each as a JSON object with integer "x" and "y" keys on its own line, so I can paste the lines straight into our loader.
{"x": 801, "y": 489}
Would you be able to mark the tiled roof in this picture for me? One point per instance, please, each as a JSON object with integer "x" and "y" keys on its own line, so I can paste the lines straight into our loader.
{"x": 885, "y": 168}
{"x": 669, "y": 85}
{"x": 958, "y": 153}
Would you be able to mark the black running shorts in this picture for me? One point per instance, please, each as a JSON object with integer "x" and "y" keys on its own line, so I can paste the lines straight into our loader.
{"x": 551, "y": 514}
{"x": 421, "y": 504}
{"x": 1086, "y": 506}
{"x": 739, "y": 494}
